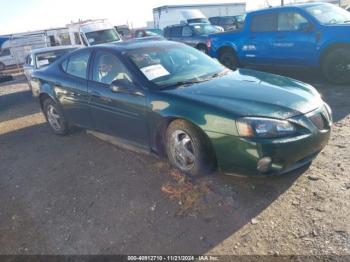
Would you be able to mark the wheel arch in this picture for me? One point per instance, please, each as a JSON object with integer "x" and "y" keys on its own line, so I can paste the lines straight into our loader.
{"x": 331, "y": 48}
{"x": 161, "y": 132}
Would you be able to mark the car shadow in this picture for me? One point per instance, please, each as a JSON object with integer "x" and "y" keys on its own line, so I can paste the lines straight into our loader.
{"x": 79, "y": 195}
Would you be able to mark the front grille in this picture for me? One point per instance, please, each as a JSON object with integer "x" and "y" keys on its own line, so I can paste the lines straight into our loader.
{"x": 320, "y": 121}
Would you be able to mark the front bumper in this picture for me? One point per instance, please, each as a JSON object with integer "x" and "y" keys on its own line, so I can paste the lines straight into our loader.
{"x": 241, "y": 155}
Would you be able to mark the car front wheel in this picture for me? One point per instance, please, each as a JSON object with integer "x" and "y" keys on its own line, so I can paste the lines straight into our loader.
{"x": 55, "y": 118}
{"x": 336, "y": 66}
{"x": 188, "y": 149}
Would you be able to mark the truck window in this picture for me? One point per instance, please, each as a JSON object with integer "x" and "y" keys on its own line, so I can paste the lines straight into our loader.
{"x": 77, "y": 39}
{"x": 290, "y": 21}
{"x": 263, "y": 23}
{"x": 5, "y": 52}
{"x": 187, "y": 31}
{"x": 176, "y": 31}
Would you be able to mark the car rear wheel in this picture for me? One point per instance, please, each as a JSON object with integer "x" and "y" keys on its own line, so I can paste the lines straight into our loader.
{"x": 55, "y": 118}
{"x": 336, "y": 66}
{"x": 188, "y": 149}
{"x": 229, "y": 59}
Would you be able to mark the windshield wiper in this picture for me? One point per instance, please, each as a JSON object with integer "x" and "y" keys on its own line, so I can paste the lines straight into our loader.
{"x": 181, "y": 83}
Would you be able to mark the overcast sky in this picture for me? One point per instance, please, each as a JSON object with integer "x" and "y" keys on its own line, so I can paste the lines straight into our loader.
{"x": 29, "y": 15}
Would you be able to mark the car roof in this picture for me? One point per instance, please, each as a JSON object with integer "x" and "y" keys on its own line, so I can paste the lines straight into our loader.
{"x": 137, "y": 43}
{"x": 290, "y": 6}
{"x": 54, "y": 48}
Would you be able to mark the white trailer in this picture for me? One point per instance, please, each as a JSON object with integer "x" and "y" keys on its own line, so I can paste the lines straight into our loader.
{"x": 171, "y": 14}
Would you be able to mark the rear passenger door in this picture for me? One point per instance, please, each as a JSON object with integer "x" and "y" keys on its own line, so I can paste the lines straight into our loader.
{"x": 257, "y": 49}
{"x": 187, "y": 36}
{"x": 175, "y": 33}
{"x": 71, "y": 89}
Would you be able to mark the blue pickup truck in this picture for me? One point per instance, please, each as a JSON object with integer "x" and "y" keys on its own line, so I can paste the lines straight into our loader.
{"x": 313, "y": 35}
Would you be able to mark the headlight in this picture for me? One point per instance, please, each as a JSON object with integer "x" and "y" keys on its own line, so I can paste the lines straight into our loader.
{"x": 264, "y": 127}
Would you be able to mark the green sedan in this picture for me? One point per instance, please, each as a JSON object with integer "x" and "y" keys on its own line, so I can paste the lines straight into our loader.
{"x": 173, "y": 100}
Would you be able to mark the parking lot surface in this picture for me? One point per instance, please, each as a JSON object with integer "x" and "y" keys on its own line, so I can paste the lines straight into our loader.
{"x": 80, "y": 195}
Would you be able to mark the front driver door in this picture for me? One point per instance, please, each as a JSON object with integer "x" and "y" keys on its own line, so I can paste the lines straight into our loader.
{"x": 121, "y": 114}
{"x": 295, "y": 42}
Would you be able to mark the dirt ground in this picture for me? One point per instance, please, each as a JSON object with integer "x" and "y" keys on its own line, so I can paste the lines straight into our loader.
{"x": 80, "y": 195}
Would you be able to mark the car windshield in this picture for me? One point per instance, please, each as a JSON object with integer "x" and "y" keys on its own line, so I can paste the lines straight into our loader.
{"x": 329, "y": 14}
{"x": 47, "y": 58}
{"x": 102, "y": 36}
{"x": 205, "y": 29}
{"x": 175, "y": 65}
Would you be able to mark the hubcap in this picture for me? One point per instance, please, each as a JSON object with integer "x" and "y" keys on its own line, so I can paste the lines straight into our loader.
{"x": 53, "y": 117}
{"x": 182, "y": 150}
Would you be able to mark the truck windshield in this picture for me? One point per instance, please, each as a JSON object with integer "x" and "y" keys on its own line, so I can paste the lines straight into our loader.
{"x": 174, "y": 65}
{"x": 329, "y": 14}
{"x": 102, "y": 36}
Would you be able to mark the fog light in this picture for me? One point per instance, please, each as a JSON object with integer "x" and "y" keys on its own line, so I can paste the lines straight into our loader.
{"x": 264, "y": 164}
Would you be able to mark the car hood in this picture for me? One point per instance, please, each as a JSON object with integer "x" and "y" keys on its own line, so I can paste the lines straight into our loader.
{"x": 252, "y": 93}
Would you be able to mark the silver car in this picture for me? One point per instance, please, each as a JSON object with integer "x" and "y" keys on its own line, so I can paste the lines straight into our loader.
{"x": 42, "y": 57}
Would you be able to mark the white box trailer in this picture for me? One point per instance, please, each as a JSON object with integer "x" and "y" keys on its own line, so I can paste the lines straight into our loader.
{"x": 172, "y": 14}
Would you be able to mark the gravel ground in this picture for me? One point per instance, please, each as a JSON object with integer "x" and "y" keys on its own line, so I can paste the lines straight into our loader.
{"x": 80, "y": 195}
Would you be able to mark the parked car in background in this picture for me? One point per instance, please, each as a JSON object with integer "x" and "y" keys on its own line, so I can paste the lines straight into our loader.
{"x": 313, "y": 35}
{"x": 228, "y": 23}
{"x": 124, "y": 32}
{"x": 195, "y": 35}
{"x": 168, "y": 97}
{"x": 42, "y": 57}
{"x": 145, "y": 32}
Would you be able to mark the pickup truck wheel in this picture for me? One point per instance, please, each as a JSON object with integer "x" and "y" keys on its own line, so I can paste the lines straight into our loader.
{"x": 229, "y": 59}
{"x": 336, "y": 66}
{"x": 188, "y": 149}
{"x": 55, "y": 118}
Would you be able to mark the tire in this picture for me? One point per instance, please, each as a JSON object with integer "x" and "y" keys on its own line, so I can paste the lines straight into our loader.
{"x": 188, "y": 149}
{"x": 202, "y": 48}
{"x": 229, "y": 59}
{"x": 55, "y": 117}
{"x": 336, "y": 66}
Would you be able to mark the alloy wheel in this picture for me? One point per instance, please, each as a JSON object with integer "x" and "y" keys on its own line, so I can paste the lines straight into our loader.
{"x": 53, "y": 117}
{"x": 182, "y": 150}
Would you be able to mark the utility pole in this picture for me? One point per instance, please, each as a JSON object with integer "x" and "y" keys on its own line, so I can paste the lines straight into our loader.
{"x": 282, "y": 2}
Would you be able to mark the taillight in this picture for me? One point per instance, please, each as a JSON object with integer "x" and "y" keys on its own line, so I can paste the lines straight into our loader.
{"x": 209, "y": 44}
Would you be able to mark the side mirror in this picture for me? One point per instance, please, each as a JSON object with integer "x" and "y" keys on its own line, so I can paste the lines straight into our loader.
{"x": 305, "y": 27}
{"x": 122, "y": 86}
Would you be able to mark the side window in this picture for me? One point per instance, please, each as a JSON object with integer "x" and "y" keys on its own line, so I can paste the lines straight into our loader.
{"x": 5, "y": 52}
{"x": 263, "y": 23}
{"x": 187, "y": 31}
{"x": 107, "y": 68}
{"x": 289, "y": 21}
{"x": 176, "y": 31}
{"x": 77, "y": 39}
{"x": 77, "y": 64}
